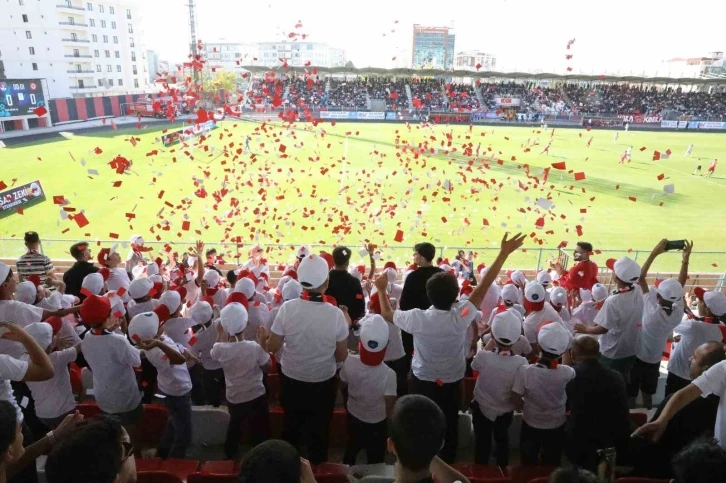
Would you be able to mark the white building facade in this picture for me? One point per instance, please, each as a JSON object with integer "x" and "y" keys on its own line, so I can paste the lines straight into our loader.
{"x": 468, "y": 60}
{"x": 230, "y": 56}
{"x": 300, "y": 54}
{"x": 152, "y": 59}
{"x": 80, "y": 48}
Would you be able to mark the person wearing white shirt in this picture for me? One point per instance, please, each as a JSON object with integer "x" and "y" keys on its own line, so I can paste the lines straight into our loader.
{"x": 205, "y": 336}
{"x": 172, "y": 380}
{"x": 315, "y": 334}
{"x": 694, "y": 332}
{"x": 140, "y": 291}
{"x": 540, "y": 389}
{"x": 586, "y": 312}
{"x": 371, "y": 393}
{"x": 119, "y": 280}
{"x": 663, "y": 310}
{"x": 539, "y": 311}
{"x": 243, "y": 362}
{"x": 439, "y": 338}
{"x": 492, "y": 409}
{"x": 395, "y": 352}
{"x": 618, "y": 320}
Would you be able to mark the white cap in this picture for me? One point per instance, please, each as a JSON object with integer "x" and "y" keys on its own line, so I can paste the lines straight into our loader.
{"x": 558, "y": 296}
{"x": 201, "y": 312}
{"x": 312, "y": 272}
{"x": 716, "y": 302}
{"x": 137, "y": 240}
{"x": 246, "y": 287}
{"x": 212, "y": 278}
{"x": 303, "y": 251}
{"x": 670, "y": 290}
{"x": 152, "y": 269}
{"x": 4, "y": 271}
{"x": 519, "y": 309}
{"x": 391, "y": 274}
{"x": 534, "y": 292}
{"x": 140, "y": 288}
{"x": 233, "y": 318}
{"x": 172, "y": 300}
{"x": 518, "y": 277}
{"x": 507, "y": 327}
{"x": 599, "y": 292}
{"x": 585, "y": 295}
{"x": 543, "y": 277}
{"x": 554, "y": 338}
{"x": 291, "y": 290}
{"x": 627, "y": 270}
{"x": 93, "y": 282}
{"x": 42, "y": 332}
{"x": 144, "y": 326}
{"x": 510, "y": 293}
{"x": 355, "y": 273}
{"x": 373, "y": 339}
{"x": 26, "y": 292}
{"x": 138, "y": 271}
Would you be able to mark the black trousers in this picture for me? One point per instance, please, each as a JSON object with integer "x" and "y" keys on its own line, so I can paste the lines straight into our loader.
{"x": 214, "y": 386}
{"x": 484, "y": 429}
{"x": 195, "y": 374}
{"x": 370, "y": 437}
{"x": 407, "y": 340}
{"x": 308, "y": 410}
{"x": 257, "y": 414}
{"x": 674, "y": 384}
{"x": 541, "y": 446}
{"x": 401, "y": 368}
{"x": 447, "y": 397}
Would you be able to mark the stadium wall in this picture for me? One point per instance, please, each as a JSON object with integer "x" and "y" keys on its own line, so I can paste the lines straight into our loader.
{"x": 75, "y": 109}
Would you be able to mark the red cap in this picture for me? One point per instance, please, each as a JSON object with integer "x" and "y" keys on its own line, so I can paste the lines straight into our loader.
{"x": 371, "y": 358}
{"x": 208, "y": 299}
{"x": 35, "y": 278}
{"x": 157, "y": 290}
{"x": 55, "y": 322}
{"x": 95, "y": 310}
{"x": 375, "y": 304}
{"x": 105, "y": 273}
{"x": 162, "y": 311}
{"x": 480, "y": 267}
{"x": 361, "y": 269}
{"x": 328, "y": 258}
{"x": 610, "y": 263}
{"x": 698, "y": 291}
{"x": 237, "y": 297}
{"x": 103, "y": 255}
{"x": 389, "y": 265}
{"x": 413, "y": 266}
{"x": 182, "y": 292}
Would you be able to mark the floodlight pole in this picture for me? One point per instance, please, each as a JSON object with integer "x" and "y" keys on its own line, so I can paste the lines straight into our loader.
{"x": 192, "y": 5}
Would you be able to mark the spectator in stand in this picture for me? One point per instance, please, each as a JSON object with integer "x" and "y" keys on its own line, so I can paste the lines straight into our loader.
{"x": 439, "y": 336}
{"x": 136, "y": 254}
{"x": 693, "y": 332}
{"x": 345, "y": 288}
{"x": 662, "y": 312}
{"x": 33, "y": 262}
{"x": 315, "y": 334}
{"x": 696, "y": 420}
{"x": 618, "y": 320}
{"x": 275, "y": 461}
{"x": 599, "y": 416}
{"x": 702, "y": 462}
{"x": 582, "y": 275}
{"x": 73, "y": 278}
{"x": 212, "y": 262}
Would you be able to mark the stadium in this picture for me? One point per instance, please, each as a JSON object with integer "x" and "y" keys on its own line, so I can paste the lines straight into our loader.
{"x": 218, "y": 224}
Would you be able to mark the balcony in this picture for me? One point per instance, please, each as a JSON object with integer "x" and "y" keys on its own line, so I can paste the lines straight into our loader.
{"x": 79, "y": 56}
{"x": 80, "y": 72}
{"x": 73, "y": 25}
{"x": 84, "y": 41}
{"x": 71, "y": 7}
{"x": 83, "y": 87}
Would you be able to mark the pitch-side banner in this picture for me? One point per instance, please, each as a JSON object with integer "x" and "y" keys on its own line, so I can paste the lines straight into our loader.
{"x": 362, "y": 115}
{"x": 674, "y": 124}
{"x": 20, "y": 197}
{"x": 640, "y": 119}
{"x": 507, "y": 101}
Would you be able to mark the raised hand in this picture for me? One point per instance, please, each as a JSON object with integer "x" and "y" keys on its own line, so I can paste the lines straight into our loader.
{"x": 510, "y": 245}
{"x": 382, "y": 283}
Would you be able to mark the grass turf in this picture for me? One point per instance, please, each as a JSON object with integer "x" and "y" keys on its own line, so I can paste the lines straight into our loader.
{"x": 347, "y": 183}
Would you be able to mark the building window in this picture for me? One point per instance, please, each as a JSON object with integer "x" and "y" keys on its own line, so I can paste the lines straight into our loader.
{"x": 100, "y": 83}
{"x": 94, "y": 37}
{"x": 96, "y": 53}
{"x": 21, "y": 2}
{"x": 98, "y": 67}
{"x": 110, "y": 82}
{"x": 74, "y": 36}
{"x": 76, "y": 53}
{"x": 80, "y": 84}
{"x": 28, "y": 35}
{"x": 103, "y": 24}
{"x": 131, "y": 29}
{"x": 105, "y": 39}
{"x": 113, "y": 24}
{"x": 68, "y": 3}
{"x": 89, "y": 7}
{"x": 120, "y": 82}
{"x": 136, "y": 83}
{"x": 32, "y": 50}
{"x": 131, "y": 42}
{"x": 25, "y": 18}
{"x": 118, "y": 68}
{"x": 133, "y": 56}
{"x": 115, "y": 39}
{"x": 111, "y": 10}
{"x": 108, "y": 54}
{"x": 78, "y": 67}
{"x": 109, "y": 68}
{"x": 71, "y": 20}
{"x": 118, "y": 54}
{"x": 35, "y": 66}
{"x": 100, "y": 8}
{"x": 134, "y": 69}
{"x": 92, "y": 22}
{"x": 128, "y": 13}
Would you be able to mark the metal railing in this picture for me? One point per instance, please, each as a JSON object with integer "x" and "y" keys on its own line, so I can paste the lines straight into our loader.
{"x": 72, "y": 7}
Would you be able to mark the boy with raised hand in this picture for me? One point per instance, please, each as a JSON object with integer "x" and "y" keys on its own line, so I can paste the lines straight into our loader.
{"x": 492, "y": 408}
{"x": 172, "y": 380}
{"x": 371, "y": 393}
{"x": 541, "y": 390}
{"x": 243, "y": 362}
{"x": 439, "y": 361}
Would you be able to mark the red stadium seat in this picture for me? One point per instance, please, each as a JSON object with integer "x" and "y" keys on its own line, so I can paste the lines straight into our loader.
{"x": 89, "y": 410}
{"x": 76, "y": 382}
{"x": 148, "y": 464}
{"x": 542, "y": 479}
{"x": 152, "y": 425}
{"x": 226, "y": 467}
{"x": 180, "y": 468}
{"x": 638, "y": 419}
{"x": 157, "y": 477}
{"x": 331, "y": 479}
{"x": 276, "y": 417}
{"x": 489, "y": 480}
{"x": 273, "y": 389}
{"x": 523, "y": 474}
{"x": 330, "y": 469}
{"x": 202, "y": 478}
{"x": 338, "y": 435}
{"x": 641, "y": 480}
{"x": 479, "y": 471}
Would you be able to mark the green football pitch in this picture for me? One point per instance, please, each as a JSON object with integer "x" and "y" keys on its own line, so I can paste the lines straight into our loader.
{"x": 346, "y": 183}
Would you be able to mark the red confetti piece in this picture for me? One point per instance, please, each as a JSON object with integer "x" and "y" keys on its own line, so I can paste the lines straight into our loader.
{"x": 185, "y": 225}
{"x": 80, "y": 220}
{"x": 579, "y": 176}
{"x": 113, "y": 235}
{"x": 632, "y": 198}
{"x": 559, "y": 165}
{"x": 656, "y": 156}
{"x": 661, "y": 176}
{"x": 40, "y": 111}
{"x": 3, "y": 185}
{"x": 399, "y": 236}
{"x": 579, "y": 230}
{"x": 643, "y": 148}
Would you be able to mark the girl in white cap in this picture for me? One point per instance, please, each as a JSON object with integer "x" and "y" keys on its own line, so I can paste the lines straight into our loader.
{"x": 259, "y": 313}
{"x": 538, "y": 311}
{"x": 205, "y": 333}
{"x": 243, "y": 362}
{"x": 540, "y": 389}
{"x": 619, "y": 318}
{"x": 140, "y": 290}
{"x": 172, "y": 379}
{"x": 492, "y": 408}
{"x": 592, "y": 302}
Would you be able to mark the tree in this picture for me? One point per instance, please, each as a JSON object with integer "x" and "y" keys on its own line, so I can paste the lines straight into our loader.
{"x": 349, "y": 65}
{"x": 220, "y": 80}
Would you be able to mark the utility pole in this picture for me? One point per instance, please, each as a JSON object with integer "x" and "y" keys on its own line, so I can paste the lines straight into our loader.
{"x": 192, "y": 5}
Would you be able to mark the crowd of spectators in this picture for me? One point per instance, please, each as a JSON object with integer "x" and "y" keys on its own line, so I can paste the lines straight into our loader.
{"x": 307, "y": 91}
{"x": 347, "y": 94}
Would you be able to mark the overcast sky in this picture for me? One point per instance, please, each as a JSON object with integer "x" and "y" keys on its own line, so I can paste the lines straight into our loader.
{"x": 619, "y": 35}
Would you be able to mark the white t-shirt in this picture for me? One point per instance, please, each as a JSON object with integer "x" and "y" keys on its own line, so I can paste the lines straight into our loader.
{"x": 21, "y": 314}
{"x": 713, "y": 381}
{"x": 119, "y": 279}
{"x": 205, "y": 340}
{"x": 544, "y": 394}
{"x": 564, "y": 314}
{"x": 11, "y": 369}
{"x": 693, "y": 334}
{"x": 177, "y": 329}
{"x": 496, "y": 378}
{"x": 367, "y": 388}
{"x": 585, "y": 314}
{"x": 242, "y": 363}
{"x": 439, "y": 340}
{"x": 311, "y": 331}
{"x": 112, "y": 360}
{"x": 172, "y": 379}
{"x": 258, "y": 315}
{"x": 135, "y": 309}
{"x": 54, "y": 397}
{"x": 622, "y": 315}
{"x": 395, "y": 350}
{"x": 521, "y": 347}
{"x": 534, "y": 320}
{"x": 657, "y": 326}
{"x": 489, "y": 302}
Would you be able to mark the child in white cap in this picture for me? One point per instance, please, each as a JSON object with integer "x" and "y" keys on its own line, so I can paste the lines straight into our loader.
{"x": 119, "y": 280}
{"x": 141, "y": 291}
{"x": 205, "y": 335}
{"x": 243, "y": 362}
{"x": 619, "y": 318}
{"x": 172, "y": 379}
{"x": 259, "y": 313}
{"x": 290, "y": 291}
{"x": 492, "y": 408}
{"x": 558, "y": 301}
{"x": 136, "y": 253}
{"x": 371, "y": 393}
{"x": 541, "y": 390}
{"x": 539, "y": 311}
{"x": 592, "y": 302}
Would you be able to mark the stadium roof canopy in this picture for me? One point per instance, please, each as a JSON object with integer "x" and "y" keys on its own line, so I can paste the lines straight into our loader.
{"x": 483, "y": 75}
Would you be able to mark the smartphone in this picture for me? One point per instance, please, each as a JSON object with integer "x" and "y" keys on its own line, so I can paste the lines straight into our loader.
{"x": 675, "y": 245}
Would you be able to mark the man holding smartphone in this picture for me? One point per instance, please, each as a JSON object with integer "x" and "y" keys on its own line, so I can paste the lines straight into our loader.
{"x": 582, "y": 275}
